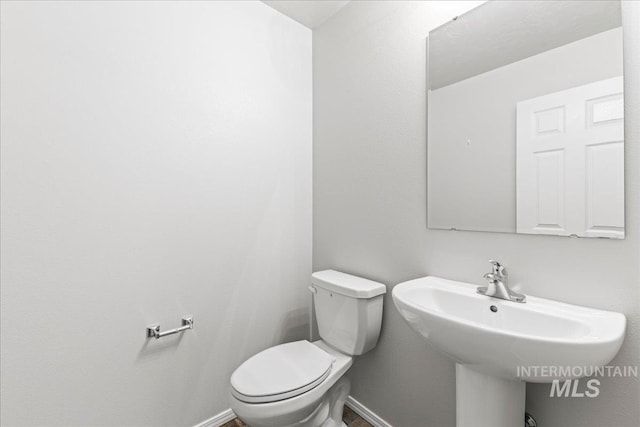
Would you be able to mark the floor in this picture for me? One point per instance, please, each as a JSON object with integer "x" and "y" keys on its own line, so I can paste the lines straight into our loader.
{"x": 350, "y": 418}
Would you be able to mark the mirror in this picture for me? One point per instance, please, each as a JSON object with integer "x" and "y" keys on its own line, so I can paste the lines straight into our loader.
{"x": 526, "y": 119}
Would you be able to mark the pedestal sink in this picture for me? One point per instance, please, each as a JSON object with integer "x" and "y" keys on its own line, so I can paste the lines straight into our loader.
{"x": 492, "y": 341}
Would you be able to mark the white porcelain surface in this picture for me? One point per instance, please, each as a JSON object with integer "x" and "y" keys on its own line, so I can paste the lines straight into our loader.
{"x": 289, "y": 385}
{"x": 308, "y": 409}
{"x": 281, "y": 372}
{"x": 459, "y": 322}
{"x": 484, "y": 400}
{"x": 348, "y": 310}
{"x": 346, "y": 284}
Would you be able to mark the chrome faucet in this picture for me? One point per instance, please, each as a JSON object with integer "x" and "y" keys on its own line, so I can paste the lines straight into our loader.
{"x": 498, "y": 287}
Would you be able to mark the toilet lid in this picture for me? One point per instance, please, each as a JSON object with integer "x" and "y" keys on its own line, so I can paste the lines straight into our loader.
{"x": 281, "y": 372}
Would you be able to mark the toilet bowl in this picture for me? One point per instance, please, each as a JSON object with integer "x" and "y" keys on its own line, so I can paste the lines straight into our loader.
{"x": 302, "y": 407}
{"x": 302, "y": 383}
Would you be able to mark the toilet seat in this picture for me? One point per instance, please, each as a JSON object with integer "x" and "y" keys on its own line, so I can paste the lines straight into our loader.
{"x": 281, "y": 372}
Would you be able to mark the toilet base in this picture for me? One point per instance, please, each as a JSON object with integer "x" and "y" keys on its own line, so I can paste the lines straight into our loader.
{"x": 336, "y": 398}
{"x": 327, "y": 414}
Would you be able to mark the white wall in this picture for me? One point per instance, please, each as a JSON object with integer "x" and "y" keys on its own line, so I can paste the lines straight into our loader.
{"x": 370, "y": 216}
{"x": 156, "y": 162}
{"x": 482, "y": 110}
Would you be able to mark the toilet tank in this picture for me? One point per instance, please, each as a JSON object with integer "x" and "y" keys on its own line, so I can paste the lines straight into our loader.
{"x": 348, "y": 310}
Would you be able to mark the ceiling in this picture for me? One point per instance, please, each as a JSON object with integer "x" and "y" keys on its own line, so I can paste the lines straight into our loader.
{"x": 501, "y": 32}
{"x": 309, "y": 13}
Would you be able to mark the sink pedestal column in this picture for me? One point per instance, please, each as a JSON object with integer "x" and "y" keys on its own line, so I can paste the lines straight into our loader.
{"x": 487, "y": 401}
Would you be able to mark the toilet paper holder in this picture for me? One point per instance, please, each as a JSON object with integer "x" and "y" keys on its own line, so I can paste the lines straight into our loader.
{"x": 153, "y": 331}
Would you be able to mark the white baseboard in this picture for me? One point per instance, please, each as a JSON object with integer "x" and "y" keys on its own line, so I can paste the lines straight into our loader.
{"x": 357, "y": 407}
{"x": 218, "y": 420}
{"x": 366, "y": 413}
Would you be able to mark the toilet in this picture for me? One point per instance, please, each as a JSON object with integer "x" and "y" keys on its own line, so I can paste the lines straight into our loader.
{"x": 302, "y": 383}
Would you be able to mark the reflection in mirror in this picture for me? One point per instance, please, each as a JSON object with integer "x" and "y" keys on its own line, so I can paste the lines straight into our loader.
{"x": 525, "y": 119}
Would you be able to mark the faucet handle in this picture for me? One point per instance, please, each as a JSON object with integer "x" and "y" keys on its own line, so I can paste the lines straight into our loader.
{"x": 498, "y": 269}
{"x": 502, "y": 271}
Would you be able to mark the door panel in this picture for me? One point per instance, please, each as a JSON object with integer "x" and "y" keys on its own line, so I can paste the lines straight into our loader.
{"x": 570, "y": 162}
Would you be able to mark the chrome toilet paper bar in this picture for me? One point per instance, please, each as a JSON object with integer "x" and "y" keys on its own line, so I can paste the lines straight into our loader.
{"x": 153, "y": 331}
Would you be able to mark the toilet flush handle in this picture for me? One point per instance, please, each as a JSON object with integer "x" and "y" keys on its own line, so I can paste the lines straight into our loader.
{"x": 313, "y": 290}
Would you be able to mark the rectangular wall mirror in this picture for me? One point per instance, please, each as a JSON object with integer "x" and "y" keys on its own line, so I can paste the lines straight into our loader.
{"x": 526, "y": 119}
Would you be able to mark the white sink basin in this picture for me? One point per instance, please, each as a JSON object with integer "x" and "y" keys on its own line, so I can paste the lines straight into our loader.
{"x": 459, "y": 322}
{"x": 498, "y": 345}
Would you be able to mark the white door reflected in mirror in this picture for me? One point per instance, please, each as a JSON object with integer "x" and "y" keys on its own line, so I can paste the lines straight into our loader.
{"x": 570, "y": 162}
